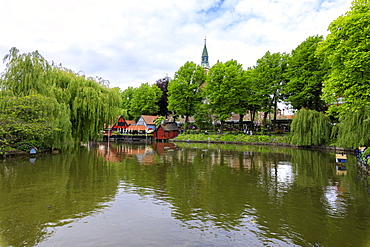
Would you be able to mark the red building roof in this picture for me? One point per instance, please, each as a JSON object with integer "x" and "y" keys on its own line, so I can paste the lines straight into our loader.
{"x": 136, "y": 127}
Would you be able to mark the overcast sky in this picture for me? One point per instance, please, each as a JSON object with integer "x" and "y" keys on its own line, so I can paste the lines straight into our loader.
{"x": 133, "y": 42}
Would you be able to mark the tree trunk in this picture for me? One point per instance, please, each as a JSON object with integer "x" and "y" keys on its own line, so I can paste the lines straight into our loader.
{"x": 265, "y": 114}
{"x": 241, "y": 116}
{"x": 186, "y": 123}
{"x": 253, "y": 114}
{"x": 275, "y": 111}
{"x": 222, "y": 126}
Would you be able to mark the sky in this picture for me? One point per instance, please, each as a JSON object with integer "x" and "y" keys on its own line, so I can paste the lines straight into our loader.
{"x": 133, "y": 42}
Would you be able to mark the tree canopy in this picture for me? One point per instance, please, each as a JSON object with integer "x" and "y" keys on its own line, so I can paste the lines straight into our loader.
{"x": 184, "y": 91}
{"x": 145, "y": 100}
{"x": 77, "y": 107}
{"x": 223, "y": 89}
{"x": 310, "y": 127}
{"x": 347, "y": 51}
{"x": 269, "y": 75}
{"x": 305, "y": 74}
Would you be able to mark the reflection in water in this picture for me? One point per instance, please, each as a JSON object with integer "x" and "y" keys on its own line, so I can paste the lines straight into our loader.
{"x": 181, "y": 194}
{"x": 52, "y": 191}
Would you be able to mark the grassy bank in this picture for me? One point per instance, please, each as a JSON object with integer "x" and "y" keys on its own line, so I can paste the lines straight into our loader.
{"x": 259, "y": 139}
{"x": 234, "y": 137}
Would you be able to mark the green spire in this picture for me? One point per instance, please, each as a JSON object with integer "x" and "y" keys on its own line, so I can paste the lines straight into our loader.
{"x": 205, "y": 63}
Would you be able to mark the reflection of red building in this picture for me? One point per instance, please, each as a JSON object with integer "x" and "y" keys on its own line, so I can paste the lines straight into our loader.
{"x": 117, "y": 153}
{"x": 161, "y": 147}
{"x": 166, "y": 131}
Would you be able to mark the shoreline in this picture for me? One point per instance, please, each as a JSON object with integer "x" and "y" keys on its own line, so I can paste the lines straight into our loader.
{"x": 334, "y": 149}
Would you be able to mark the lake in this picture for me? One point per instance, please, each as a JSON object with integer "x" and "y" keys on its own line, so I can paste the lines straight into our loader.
{"x": 180, "y": 194}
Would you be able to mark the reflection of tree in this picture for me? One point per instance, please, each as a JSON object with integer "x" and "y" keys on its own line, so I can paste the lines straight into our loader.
{"x": 52, "y": 192}
{"x": 209, "y": 186}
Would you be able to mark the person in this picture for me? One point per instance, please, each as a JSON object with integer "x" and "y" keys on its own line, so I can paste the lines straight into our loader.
{"x": 206, "y": 132}
{"x": 245, "y": 131}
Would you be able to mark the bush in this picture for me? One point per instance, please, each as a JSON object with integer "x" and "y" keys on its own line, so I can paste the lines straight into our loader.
{"x": 27, "y": 145}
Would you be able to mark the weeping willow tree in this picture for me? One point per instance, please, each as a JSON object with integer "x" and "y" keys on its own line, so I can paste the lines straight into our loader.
{"x": 26, "y": 73}
{"x": 91, "y": 106}
{"x": 310, "y": 127}
{"x": 79, "y": 106}
{"x": 354, "y": 128}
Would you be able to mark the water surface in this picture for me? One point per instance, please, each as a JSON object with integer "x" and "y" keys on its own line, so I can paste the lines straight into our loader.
{"x": 183, "y": 195}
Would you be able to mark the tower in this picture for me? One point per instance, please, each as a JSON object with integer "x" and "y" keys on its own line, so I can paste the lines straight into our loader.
{"x": 204, "y": 62}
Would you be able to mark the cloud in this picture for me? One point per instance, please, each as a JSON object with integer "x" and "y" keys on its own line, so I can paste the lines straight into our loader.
{"x": 132, "y": 42}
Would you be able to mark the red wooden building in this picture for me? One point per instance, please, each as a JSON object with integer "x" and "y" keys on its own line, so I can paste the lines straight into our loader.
{"x": 120, "y": 125}
{"x": 166, "y": 131}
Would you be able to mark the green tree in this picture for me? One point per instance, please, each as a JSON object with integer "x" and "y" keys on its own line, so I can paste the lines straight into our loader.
{"x": 248, "y": 98}
{"x": 127, "y": 96}
{"x": 81, "y": 105}
{"x": 163, "y": 102}
{"x": 305, "y": 74}
{"x": 347, "y": 51}
{"x": 26, "y": 73}
{"x": 144, "y": 100}
{"x": 310, "y": 127}
{"x": 353, "y": 128}
{"x": 203, "y": 117}
{"x": 158, "y": 121}
{"x": 224, "y": 88}
{"x": 28, "y": 118}
{"x": 184, "y": 91}
{"x": 269, "y": 75}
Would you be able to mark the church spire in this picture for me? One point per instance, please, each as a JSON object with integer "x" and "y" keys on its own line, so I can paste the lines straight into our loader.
{"x": 205, "y": 63}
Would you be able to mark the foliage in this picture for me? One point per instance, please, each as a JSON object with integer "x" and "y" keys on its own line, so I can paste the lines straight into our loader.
{"x": 144, "y": 100}
{"x": 163, "y": 102}
{"x": 159, "y": 120}
{"x": 127, "y": 96}
{"x": 203, "y": 117}
{"x": 27, "y": 118}
{"x": 60, "y": 107}
{"x": 353, "y": 128}
{"x": 184, "y": 91}
{"x": 269, "y": 76}
{"x": 249, "y": 97}
{"x": 26, "y": 73}
{"x": 223, "y": 89}
{"x": 347, "y": 51}
{"x": 310, "y": 127}
{"x": 91, "y": 107}
{"x": 305, "y": 74}
{"x": 27, "y": 145}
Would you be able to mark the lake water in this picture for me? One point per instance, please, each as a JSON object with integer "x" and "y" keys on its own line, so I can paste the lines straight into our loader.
{"x": 166, "y": 194}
